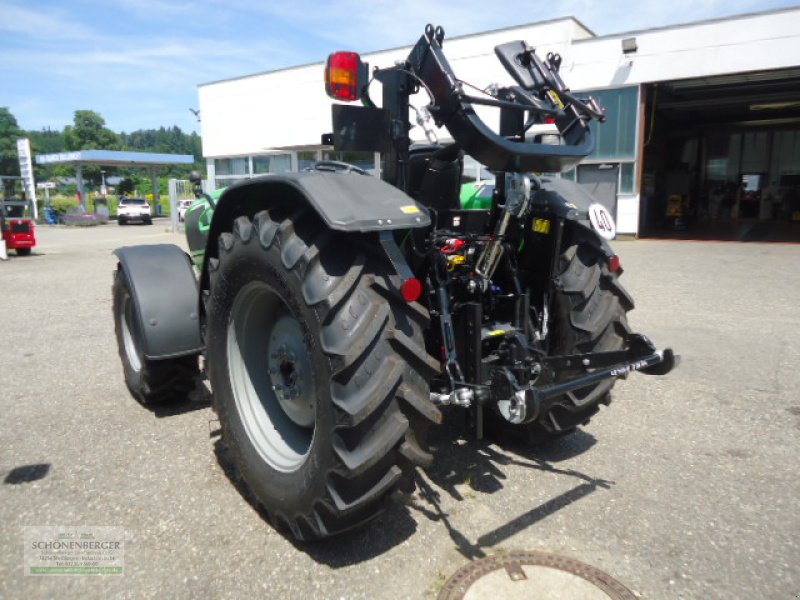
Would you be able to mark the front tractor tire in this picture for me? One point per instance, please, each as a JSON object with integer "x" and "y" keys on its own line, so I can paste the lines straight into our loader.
{"x": 319, "y": 372}
{"x": 151, "y": 382}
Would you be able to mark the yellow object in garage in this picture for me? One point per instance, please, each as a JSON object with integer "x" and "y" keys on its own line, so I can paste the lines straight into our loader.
{"x": 675, "y": 206}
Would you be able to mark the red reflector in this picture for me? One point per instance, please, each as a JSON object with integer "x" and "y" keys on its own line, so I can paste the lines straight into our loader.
{"x": 549, "y": 120}
{"x": 342, "y": 76}
{"x": 452, "y": 245}
{"x": 411, "y": 289}
{"x": 614, "y": 264}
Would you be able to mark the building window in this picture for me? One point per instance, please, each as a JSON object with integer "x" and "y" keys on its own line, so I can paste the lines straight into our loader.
{"x": 785, "y": 154}
{"x": 230, "y": 166}
{"x": 724, "y": 153}
{"x": 228, "y": 181}
{"x": 472, "y": 170}
{"x": 305, "y": 159}
{"x": 616, "y": 138}
{"x": 755, "y": 152}
{"x": 365, "y": 160}
{"x": 626, "y": 178}
{"x": 272, "y": 163}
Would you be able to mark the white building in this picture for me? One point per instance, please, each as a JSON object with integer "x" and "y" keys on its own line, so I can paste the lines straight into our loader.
{"x": 709, "y": 111}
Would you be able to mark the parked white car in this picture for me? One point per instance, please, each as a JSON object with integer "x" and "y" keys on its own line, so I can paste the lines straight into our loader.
{"x": 183, "y": 206}
{"x": 133, "y": 209}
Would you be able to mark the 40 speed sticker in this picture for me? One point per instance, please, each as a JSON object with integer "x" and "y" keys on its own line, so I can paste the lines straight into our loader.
{"x": 602, "y": 221}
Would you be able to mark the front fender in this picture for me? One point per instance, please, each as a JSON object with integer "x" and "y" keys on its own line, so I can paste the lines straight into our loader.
{"x": 164, "y": 291}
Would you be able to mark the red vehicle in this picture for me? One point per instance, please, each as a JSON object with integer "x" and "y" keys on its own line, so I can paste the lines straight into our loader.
{"x": 19, "y": 231}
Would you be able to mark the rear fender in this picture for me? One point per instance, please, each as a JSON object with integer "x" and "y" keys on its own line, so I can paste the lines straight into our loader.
{"x": 164, "y": 290}
{"x": 344, "y": 202}
{"x": 568, "y": 200}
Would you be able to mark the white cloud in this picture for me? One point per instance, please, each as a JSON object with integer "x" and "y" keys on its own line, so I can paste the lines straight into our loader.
{"x": 382, "y": 24}
{"x": 35, "y": 24}
{"x": 150, "y": 8}
{"x": 135, "y": 61}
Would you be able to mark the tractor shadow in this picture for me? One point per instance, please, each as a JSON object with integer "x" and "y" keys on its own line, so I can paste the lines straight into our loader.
{"x": 459, "y": 459}
{"x": 198, "y": 399}
{"x": 465, "y": 466}
{"x": 390, "y": 529}
{"x": 377, "y": 537}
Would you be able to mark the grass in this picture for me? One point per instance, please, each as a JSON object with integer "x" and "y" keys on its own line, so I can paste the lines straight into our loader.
{"x": 64, "y": 203}
{"x": 437, "y": 585}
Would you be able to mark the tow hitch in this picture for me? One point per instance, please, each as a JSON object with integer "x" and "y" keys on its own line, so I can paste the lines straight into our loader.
{"x": 524, "y": 404}
{"x": 641, "y": 355}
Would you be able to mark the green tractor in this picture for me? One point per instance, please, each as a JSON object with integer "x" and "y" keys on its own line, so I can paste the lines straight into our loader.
{"x": 336, "y": 312}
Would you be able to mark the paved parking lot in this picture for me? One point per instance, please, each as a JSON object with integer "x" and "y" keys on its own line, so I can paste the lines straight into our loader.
{"x": 685, "y": 487}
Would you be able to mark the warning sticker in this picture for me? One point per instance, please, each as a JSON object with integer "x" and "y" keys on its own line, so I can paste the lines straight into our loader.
{"x": 409, "y": 209}
{"x": 541, "y": 225}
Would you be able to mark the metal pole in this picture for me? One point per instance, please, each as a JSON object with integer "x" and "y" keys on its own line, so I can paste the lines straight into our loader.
{"x": 154, "y": 183}
{"x": 395, "y": 100}
{"x": 173, "y": 204}
{"x": 79, "y": 177}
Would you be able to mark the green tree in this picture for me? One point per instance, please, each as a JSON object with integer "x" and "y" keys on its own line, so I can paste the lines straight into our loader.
{"x": 126, "y": 187}
{"x": 47, "y": 141}
{"x": 9, "y": 134}
{"x": 89, "y": 132}
{"x": 171, "y": 140}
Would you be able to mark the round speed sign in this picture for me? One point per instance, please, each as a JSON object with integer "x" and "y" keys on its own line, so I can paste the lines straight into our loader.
{"x": 602, "y": 221}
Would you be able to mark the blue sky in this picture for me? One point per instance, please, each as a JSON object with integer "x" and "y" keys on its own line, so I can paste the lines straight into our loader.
{"x": 138, "y": 62}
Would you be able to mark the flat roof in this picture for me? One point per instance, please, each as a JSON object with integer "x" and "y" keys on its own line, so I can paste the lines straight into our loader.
{"x": 593, "y": 36}
{"x": 575, "y": 20}
{"x": 710, "y": 21}
{"x": 114, "y": 158}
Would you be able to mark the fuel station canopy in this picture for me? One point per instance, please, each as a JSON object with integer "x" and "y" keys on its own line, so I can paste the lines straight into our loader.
{"x": 114, "y": 158}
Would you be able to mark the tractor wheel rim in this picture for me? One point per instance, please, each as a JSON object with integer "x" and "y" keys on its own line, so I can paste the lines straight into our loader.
{"x": 270, "y": 370}
{"x": 290, "y": 371}
{"x": 131, "y": 339}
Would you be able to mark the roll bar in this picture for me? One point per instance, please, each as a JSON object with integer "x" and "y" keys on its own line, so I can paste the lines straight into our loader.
{"x": 540, "y": 92}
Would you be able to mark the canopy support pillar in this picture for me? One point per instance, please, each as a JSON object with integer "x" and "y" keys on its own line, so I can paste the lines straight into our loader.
{"x": 79, "y": 178}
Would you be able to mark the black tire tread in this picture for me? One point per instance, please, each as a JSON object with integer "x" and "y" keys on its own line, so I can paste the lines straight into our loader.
{"x": 158, "y": 381}
{"x": 597, "y": 305}
{"x": 168, "y": 380}
{"x": 588, "y": 315}
{"x": 376, "y": 426}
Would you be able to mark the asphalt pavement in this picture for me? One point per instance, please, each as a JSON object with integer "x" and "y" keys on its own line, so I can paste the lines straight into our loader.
{"x": 686, "y": 486}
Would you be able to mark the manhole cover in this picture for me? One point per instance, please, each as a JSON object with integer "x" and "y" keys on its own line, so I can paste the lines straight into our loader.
{"x": 532, "y": 576}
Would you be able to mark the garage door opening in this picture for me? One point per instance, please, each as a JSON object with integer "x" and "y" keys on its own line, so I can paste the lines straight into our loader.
{"x": 721, "y": 157}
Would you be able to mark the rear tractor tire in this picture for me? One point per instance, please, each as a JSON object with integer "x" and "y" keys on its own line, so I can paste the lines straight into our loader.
{"x": 151, "y": 382}
{"x": 319, "y": 372}
{"x": 588, "y": 313}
